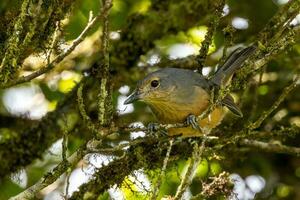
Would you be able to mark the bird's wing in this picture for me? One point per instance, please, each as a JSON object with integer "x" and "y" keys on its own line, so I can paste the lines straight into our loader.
{"x": 229, "y": 103}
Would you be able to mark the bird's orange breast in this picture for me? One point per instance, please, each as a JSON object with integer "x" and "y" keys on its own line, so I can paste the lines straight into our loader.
{"x": 213, "y": 120}
{"x": 176, "y": 110}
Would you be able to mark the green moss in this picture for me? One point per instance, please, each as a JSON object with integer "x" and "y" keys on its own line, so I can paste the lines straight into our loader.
{"x": 29, "y": 31}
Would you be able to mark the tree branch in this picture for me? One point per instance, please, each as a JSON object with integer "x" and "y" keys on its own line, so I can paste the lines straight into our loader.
{"x": 210, "y": 32}
{"x": 192, "y": 167}
{"x": 265, "y": 114}
{"x": 28, "y": 28}
{"x": 271, "y": 147}
{"x": 104, "y": 97}
{"x": 50, "y": 177}
{"x": 91, "y": 24}
{"x": 32, "y": 142}
{"x": 162, "y": 173}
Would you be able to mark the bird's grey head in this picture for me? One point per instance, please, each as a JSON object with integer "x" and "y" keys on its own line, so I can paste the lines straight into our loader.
{"x": 156, "y": 86}
{"x": 168, "y": 84}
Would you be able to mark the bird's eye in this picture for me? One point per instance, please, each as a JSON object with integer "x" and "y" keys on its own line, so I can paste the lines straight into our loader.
{"x": 154, "y": 83}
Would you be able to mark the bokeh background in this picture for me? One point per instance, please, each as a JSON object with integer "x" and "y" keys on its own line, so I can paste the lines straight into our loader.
{"x": 144, "y": 33}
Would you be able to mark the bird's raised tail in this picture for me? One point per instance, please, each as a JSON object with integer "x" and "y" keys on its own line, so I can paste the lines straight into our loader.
{"x": 225, "y": 72}
{"x": 231, "y": 65}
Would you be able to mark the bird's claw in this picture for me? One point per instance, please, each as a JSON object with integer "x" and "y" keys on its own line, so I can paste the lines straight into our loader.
{"x": 192, "y": 120}
{"x": 154, "y": 127}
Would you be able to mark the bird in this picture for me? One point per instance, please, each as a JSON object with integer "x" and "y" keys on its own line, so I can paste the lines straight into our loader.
{"x": 177, "y": 95}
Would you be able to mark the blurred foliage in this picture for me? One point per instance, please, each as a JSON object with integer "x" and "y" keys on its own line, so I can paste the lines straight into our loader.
{"x": 281, "y": 172}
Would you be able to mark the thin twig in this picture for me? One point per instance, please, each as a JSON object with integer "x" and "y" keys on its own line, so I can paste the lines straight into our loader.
{"x": 51, "y": 176}
{"x": 272, "y": 147}
{"x": 163, "y": 171}
{"x": 190, "y": 173}
{"x": 255, "y": 98}
{"x": 54, "y": 42}
{"x": 265, "y": 114}
{"x": 220, "y": 185}
{"x": 64, "y": 143}
{"x": 68, "y": 173}
{"x": 228, "y": 37}
{"x": 86, "y": 119}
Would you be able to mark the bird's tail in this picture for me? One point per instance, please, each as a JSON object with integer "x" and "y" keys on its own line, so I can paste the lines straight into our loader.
{"x": 231, "y": 65}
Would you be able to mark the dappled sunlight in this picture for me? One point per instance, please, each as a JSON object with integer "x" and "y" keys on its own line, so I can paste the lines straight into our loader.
{"x": 197, "y": 34}
{"x": 295, "y": 21}
{"x": 124, "y": 90}
{"x": 97, "y": 160}
{"x": 141, "y": 181}
{"x": 270, "y": 76}
{"x": 295, "y": 121}
{"x": 57, "y": 195}
{"x": 78, "y": 177}
{"x": 27, "y": 101}
{"x": 255, "y": 183}
{"x": 67, "y": 81}
{"x": 56, "y": 148}
{"x": 67, "y": 69}
{"x": 206, "y": 70}
{"x": 154, "y": 59}
{"x": 116, "y": 193}
{"x": 181, "y": 50}
{"x": 124, "y": 109}
{"x": 137, "y": 134}
{"x": 281, "y": 2}
{"x": 283, "y": 190}
{"x": 141, "y": 6}
{"x": 20, "y": 178}
{"x": 114, "y": 35}
{"x": 245, "y": 189}
{"x": 226, "y": 10}
{"x": 121, "y": 108}
{"x": 184, "y": 43}
{"x": 280, "y": 114}
{"x": 34, "y": 62}
{"x": 240, "y": 23}
{"x": 85, "y": 172}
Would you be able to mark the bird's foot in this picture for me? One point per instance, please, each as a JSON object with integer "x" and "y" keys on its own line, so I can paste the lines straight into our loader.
{"x": 154, "y": 128}
{"x": 192, "y": 120}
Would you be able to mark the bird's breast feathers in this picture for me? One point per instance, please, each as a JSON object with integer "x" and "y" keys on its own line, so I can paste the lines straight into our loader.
{"x": 176, "y": 109}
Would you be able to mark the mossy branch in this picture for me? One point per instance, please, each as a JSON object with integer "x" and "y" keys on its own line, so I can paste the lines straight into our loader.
{"x": 51, "y": 176}
{"x": 271, "y": 147}
{"x": 210, "y": 32}
{"x": 265, "y": 114}
{"x": 31, "y": 143}
{"x": 27, "y": 30}
{"x": 142, "y": 154}
{"x": 104, "y": 100}
{"x": 163, "y": 172}
{"x": 86, "y": 119}
{"x": 91, "y": 24}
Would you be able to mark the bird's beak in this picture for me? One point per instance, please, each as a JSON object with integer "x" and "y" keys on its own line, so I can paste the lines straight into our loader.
{"x": 135, "y": 95}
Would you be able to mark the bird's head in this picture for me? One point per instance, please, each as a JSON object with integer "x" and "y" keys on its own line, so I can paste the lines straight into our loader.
{"x": 156, "y": 87}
